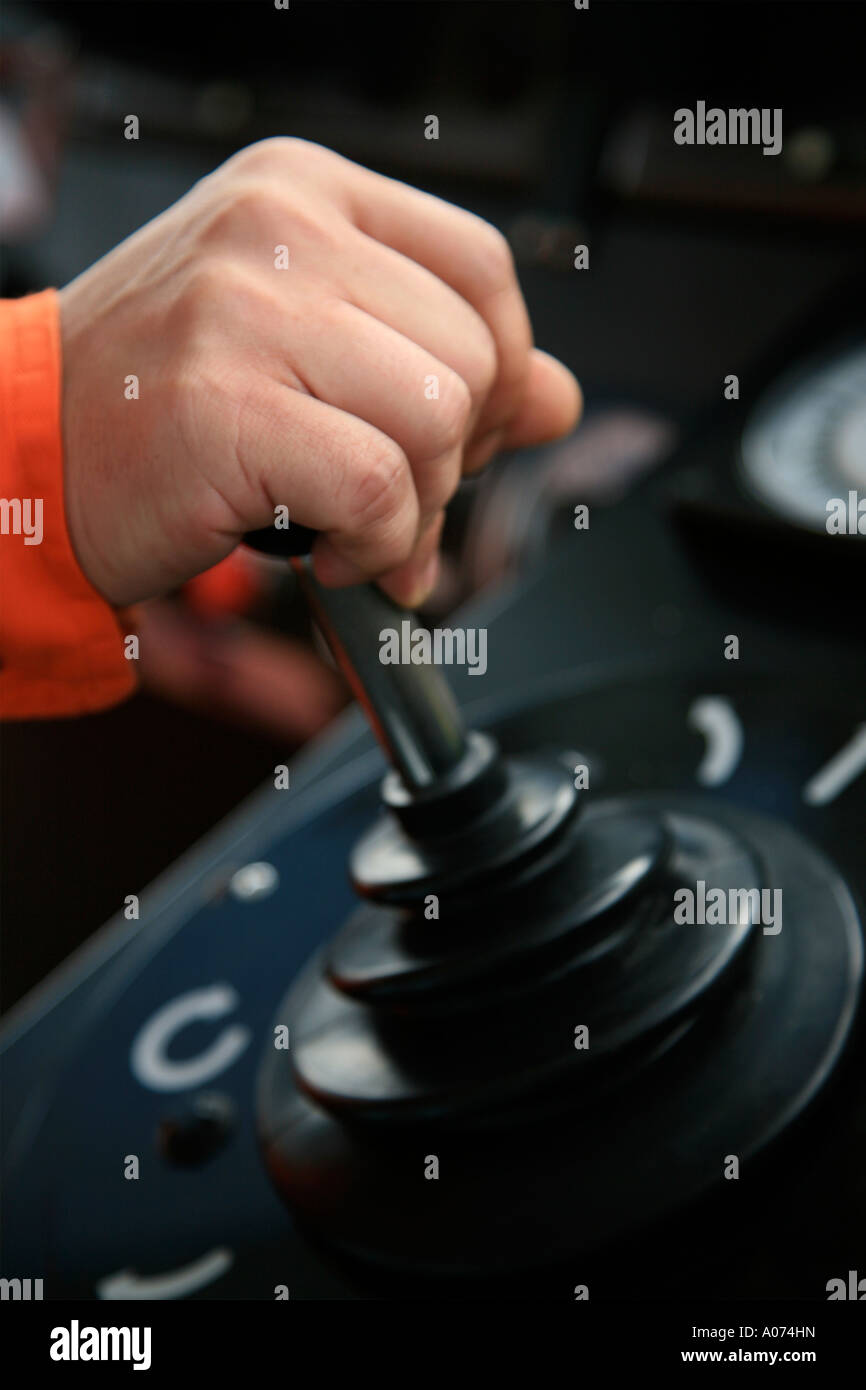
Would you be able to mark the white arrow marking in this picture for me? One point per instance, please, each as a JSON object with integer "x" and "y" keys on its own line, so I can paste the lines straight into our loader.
{"x": 175, "y": 1283}
{"x": 842, "y": 768}
{"x": 717, "y": 720}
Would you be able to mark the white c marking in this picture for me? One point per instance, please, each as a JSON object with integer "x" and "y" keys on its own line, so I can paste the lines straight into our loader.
{"x": 717, "y": 720}
{"x": 177, "y": 1283}
{"x": 148, "y": 1056}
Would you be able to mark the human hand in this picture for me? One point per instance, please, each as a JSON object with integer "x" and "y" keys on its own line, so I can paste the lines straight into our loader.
{"x": 354, "y": 387}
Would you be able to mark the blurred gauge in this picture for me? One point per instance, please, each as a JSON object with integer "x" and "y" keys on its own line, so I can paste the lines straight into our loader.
{"x": 805, "y": 441}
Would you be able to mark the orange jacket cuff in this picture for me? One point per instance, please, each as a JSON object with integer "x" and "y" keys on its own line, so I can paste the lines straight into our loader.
{"x": 61, "y": 643}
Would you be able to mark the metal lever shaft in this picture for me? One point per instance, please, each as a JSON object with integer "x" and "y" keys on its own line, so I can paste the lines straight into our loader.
{"x": 410, "y": 708}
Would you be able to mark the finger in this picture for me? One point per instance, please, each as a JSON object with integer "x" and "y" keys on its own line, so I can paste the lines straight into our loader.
{"x": 335, "y": 472}
{"x": 420, "y": 306}
{"x": 550, "y": 408}
{"x": 551, "y": 404}
{"x": 386, "y": 379}
{"x": 410, "y": 584}
{"x": 463, "y": 251}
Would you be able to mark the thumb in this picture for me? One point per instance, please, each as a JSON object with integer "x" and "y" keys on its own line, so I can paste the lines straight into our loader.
{"x": 551, "y": 404}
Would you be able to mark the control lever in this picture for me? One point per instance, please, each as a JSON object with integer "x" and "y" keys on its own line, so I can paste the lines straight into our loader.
{"x": 516, "y": 998}
{"x": 410, "y": 708}
{"x": 459, "y": 809}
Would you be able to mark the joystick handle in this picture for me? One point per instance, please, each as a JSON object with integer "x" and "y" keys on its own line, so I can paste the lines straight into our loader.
{"x": 410, "y": 708}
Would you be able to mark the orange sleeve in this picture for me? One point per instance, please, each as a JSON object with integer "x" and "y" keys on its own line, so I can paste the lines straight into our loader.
{"x": 61, "y": 643}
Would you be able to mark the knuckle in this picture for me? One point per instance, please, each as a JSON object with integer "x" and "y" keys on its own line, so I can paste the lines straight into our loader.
{"x": 312, "y": 230}
{"x": 454, "y": 409}
{"x": 280, "y": 151}
{"x": 443, "y": 482}
{"x": 212, "y": 282}
{"x": 203, "y": 280}
{"x": 250, "y": 207}
{"x": 293, "y": 147}
{"x": 496, "y": 262}
{"x": 262, "y": 153}
{"x": 382, "y": 501}
{"x": 481, "y": 367}
{"x": 381, "y": 485}
{"x": 259, "y": 212}
{"x": 194, "y": 300}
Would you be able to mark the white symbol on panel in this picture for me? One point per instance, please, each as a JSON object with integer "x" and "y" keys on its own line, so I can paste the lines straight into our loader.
{"x": 842, "y": 768}
{"x": 175, "y": 1283}
{"x": 717, "y": 720}
{"x": 149, "y": 1058}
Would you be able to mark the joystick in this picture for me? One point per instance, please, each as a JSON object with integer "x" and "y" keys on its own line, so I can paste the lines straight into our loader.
{"x": 518, "y": 1048}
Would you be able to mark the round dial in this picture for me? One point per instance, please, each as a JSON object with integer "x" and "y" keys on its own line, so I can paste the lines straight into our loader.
{"x": 805, "y": 442}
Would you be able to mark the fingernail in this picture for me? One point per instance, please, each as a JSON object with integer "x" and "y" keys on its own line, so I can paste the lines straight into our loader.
{"x": 421, "y": 588}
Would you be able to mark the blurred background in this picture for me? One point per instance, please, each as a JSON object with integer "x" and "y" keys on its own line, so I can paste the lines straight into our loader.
{"x": 555, "y": 124}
